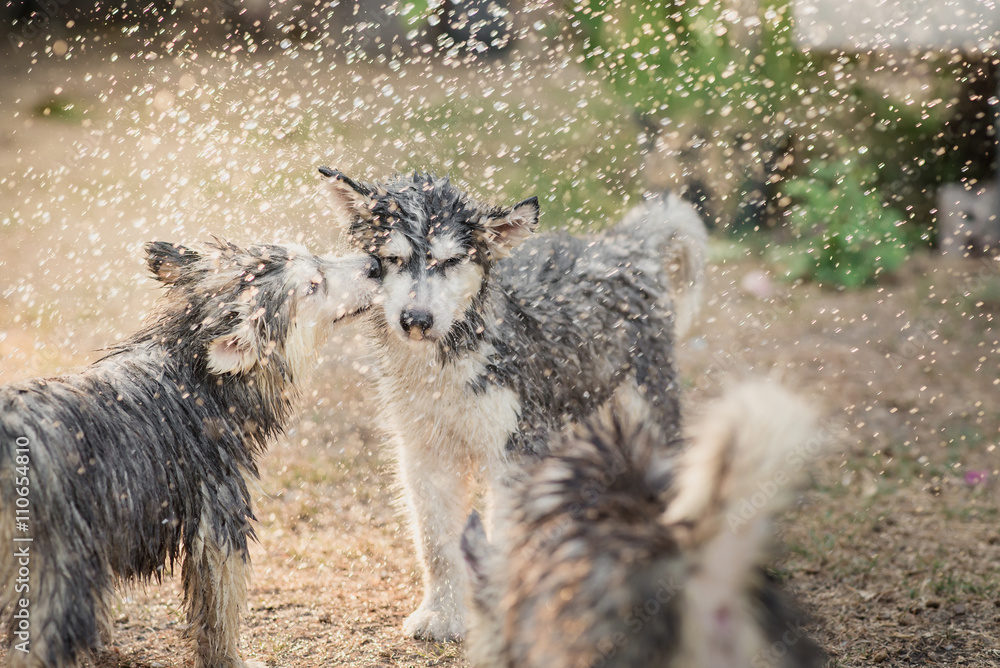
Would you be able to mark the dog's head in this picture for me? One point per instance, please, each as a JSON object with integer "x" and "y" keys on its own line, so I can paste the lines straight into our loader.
{"x": 246, "y": 309}
{"x": 435, "y": 244}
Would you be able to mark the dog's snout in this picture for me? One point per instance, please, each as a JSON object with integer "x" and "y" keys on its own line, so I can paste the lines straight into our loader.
{"x": 416, "y": 322}
{"x": 374, "y": 268}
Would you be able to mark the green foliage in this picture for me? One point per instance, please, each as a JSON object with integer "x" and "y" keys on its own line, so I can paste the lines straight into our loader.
{"x": 416, "y": 12}
{"x": 734, "y": 82}
{"x": 846, "y": 236}
{"x": 58, "y": 108}
{"x": 688, "y": 59}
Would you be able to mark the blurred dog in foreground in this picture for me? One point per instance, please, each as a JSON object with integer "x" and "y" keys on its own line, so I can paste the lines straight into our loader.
{"x": 144, "y": 458}
{"x": 620, "y": 555}
{"x": 489, "y": 339}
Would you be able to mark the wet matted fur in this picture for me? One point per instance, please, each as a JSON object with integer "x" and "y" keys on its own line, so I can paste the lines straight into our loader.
{"x": 616, "y": 556}
{"x": 144, "y": 458}
{"x": 488, "y": 339}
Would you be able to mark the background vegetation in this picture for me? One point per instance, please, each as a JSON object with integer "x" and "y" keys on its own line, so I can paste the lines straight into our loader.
{"x": 820, "y": 150}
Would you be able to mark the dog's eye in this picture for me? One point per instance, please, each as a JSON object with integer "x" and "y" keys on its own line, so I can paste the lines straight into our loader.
{"x": 374, "y": 268}
{"x": 450, "y": 262}
{"x": 314, "y": 284}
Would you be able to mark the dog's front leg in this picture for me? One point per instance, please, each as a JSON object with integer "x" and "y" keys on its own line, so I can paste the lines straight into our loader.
{"x": 215, "y": 592}
{"x": 436, "y": 490}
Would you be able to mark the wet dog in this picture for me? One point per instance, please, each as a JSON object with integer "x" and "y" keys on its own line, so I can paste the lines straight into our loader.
{"x": 145, "y": 458}
{"x": 488, "y": 339}
{"x": 618, "y": 556}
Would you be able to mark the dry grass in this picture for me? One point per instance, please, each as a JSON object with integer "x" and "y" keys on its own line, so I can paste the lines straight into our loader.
{"x": 893, "y": 552}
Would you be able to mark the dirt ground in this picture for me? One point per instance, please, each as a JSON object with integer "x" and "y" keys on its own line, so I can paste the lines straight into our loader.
{"x": 894, "y": 550}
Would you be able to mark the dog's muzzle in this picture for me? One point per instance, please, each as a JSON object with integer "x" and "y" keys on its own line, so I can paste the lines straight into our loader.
{"x": 416, "y": 323}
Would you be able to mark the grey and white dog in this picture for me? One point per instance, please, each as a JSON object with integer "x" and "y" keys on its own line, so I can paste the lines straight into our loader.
{"x": 482, "y": 350}
{"x": 619, "y": 556}
{"x": 145, "y": 458}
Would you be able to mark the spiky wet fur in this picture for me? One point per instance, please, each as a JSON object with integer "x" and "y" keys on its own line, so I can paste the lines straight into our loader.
{"x": 144, "y": 458}
{"x": 489, "y": 339}
{"x": 618, "y": 556}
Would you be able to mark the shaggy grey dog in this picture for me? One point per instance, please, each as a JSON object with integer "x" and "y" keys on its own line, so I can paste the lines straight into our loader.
{"x": 614, "y": 557}
{"x": 144, "y": 458}
{"x": 488, "y": 339}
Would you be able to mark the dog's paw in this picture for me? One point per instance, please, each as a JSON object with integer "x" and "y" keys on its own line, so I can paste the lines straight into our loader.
{"x": 227, "y": 662}
{"x": 429, "y": 623}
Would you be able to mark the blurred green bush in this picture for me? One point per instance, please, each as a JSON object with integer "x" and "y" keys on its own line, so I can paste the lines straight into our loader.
{"x": 687, "y": 60}
{"x": 844, "y": 235}
{"x": 785, "y": 125}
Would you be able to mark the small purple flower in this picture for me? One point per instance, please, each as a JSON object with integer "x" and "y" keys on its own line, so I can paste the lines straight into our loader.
{"x": 976, "y": 476}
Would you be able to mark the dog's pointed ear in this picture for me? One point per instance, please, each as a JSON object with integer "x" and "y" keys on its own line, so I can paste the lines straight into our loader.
{"x": 505, "y": 231}
{"x": 349, "y": 199}
{"x": 233, "y": 353}
{"x": 476, "y": 549}
{"x": 168, "y": 261}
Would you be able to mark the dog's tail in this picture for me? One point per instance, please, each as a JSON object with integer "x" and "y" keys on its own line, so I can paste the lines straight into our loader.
{"x": 748, "y": 456}
{"x": 673, "y": 230}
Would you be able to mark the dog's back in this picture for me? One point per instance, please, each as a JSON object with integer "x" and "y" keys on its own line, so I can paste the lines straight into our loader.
{"x": 597, "y": 311}
{"x": 657, "y": 251}
{"x": 93, "y": 487}
{"x": 114, "y": 446}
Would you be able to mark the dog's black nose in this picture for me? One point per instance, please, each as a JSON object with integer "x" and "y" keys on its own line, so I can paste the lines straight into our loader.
{"x": 416, "y": 322}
